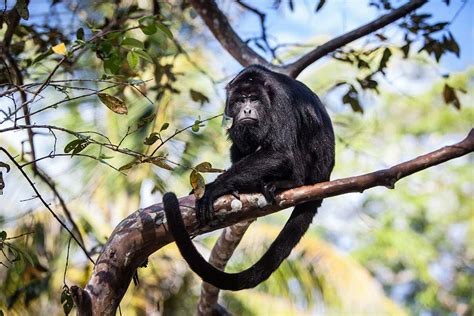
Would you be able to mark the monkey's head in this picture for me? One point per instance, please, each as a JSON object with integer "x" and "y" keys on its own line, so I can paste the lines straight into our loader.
{"x": 248, "y": 107}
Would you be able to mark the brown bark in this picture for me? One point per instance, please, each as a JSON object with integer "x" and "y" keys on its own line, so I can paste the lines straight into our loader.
{"x": 144, "y": 231}
{"x": 220, "y": 255}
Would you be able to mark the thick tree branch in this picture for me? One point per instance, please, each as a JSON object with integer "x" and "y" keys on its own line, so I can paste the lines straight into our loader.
{"x": 218, "y": 24}
{"x": 144, "y": 231}
{"x": 295, "y": 68}
{"x": 220, "y": 255}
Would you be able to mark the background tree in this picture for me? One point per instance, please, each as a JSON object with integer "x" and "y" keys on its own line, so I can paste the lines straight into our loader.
{"x": 70, "y": 71}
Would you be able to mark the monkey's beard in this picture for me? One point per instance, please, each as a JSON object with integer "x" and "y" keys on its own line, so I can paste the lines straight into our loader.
{"x": 247, "y": 137}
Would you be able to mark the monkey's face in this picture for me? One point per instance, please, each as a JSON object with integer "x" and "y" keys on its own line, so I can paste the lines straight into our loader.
{"x": 247, "y": 102}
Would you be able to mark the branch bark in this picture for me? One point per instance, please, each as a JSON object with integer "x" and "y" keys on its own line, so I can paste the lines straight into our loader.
{"x": 220, "y": 255}
{"x": 218, "y": 24}
{"x": 144, "y": 231}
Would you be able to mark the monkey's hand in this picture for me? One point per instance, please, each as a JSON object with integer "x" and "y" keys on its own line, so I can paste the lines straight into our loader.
{"x": 270, "y": 189}
{"x": 204, "y": 206}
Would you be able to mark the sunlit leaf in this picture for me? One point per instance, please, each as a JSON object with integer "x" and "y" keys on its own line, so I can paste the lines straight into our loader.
{"x": 129, "y": 41}
{"x": 143, "y": 55}
{"x": 60, "y": 49}
{"x": 132, "y": 59}
{"x": 113, "y": 103}
{"x": 197, "y": 183}
{"x": 163, "y": 28}
{"x": 206, "y": 167}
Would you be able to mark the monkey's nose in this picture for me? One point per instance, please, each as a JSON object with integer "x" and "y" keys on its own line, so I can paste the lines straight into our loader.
{"x": 247, "y": 110}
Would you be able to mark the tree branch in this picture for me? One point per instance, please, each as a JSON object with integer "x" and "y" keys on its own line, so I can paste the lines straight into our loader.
{"x": 220, "y": 255}
{"x": 217, "y": 22}
{"x": 295, "y": 68}
{"x": 144, "y": 231}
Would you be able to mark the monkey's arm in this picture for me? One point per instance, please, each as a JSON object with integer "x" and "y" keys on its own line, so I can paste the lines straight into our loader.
{"x": 248, "y": 174}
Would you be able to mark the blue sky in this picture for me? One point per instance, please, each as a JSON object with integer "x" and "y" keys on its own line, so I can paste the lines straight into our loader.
{"x": 340, "y": 16}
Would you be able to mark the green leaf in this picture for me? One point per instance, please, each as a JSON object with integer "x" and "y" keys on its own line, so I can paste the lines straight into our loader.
{"x": 129, "y": 41}
{"x": 150, "y": 140}
{"x": 80, "y": 147}
{"x": 143, "y": 55}
{"x": 163, "y": 28}
{"x": 147, "y": 25}
{"x": 132, "y": 59}
{"x": 164, "y": 126}
{"x": 145, "y": 120}
{"x": 66, "y": 300}
{"x": 129, "y": 165}
{"x": 41, "y": 56}
{"x": 113, "y": 103}
{"x": 113, "y": 63}
{"x": 197, "y": 183}
{"x": 73, "y": 144}
{"x": 105, "y": 157}
{"x": 80, "y": 34}
{"x": 195, "y": 128}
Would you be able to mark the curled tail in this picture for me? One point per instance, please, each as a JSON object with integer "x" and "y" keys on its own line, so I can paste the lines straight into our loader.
{"x": 290, "y": 235}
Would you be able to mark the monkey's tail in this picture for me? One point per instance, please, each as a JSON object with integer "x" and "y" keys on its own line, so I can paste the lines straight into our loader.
{"x": 290, "y": 235}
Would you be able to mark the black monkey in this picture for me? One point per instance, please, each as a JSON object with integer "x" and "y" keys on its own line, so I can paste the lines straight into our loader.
{"x": 282, "y": 137}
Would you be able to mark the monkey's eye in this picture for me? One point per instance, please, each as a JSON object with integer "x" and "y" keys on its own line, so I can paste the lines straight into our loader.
{"x": 253, "y": 98}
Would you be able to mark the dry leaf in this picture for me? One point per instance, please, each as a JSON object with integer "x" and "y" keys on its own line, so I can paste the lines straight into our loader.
{"x": 197, "y": 183}
{"x": 113, "y": 103}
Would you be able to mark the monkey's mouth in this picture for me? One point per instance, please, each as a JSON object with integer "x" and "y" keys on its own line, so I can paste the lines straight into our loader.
{"x": 248, "y": 120}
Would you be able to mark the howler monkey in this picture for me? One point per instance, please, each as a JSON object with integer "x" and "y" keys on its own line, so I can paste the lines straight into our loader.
{"x": 282, "y": 137}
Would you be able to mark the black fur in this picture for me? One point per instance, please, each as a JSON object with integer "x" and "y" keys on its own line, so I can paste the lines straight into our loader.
{"x": 282, "y": 137}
